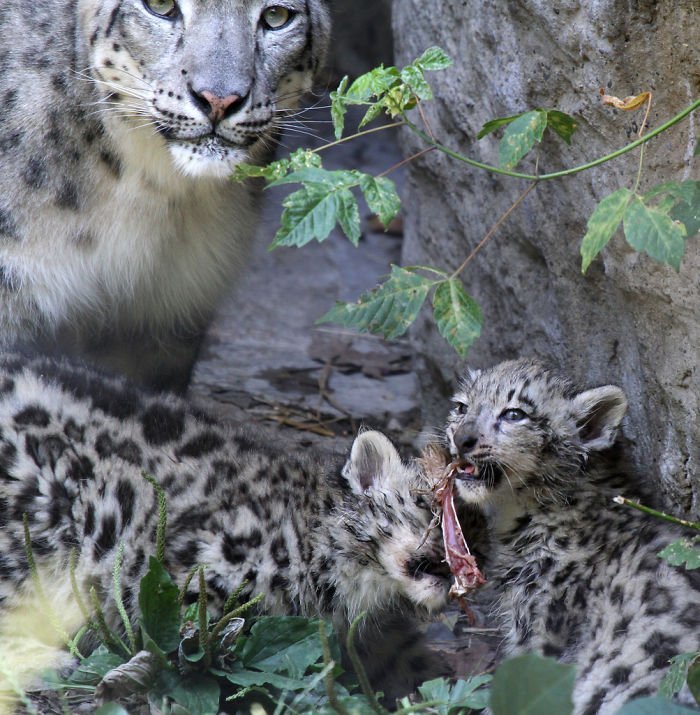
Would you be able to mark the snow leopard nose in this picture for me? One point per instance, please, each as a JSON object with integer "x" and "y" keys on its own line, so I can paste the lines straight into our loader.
{"x": 465, "y": 439}
{"x": 215, "y": 107}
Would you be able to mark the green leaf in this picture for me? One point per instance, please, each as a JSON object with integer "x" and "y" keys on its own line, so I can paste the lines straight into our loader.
{"x": 303, "y": 158}
{"x": 381, "y": 197}
{"x": 198, "y": 694}
{"x": 160, "y": 610}
{"x": 434, "y": 58}
{"x": 317, "y": 175}
{"x": 531, "y": 685}
{"x": 374, "y": 83}
{"x": 251, "y": 678}
{"x": 281, "y": 644}
{"x": 520, "y": 136}
{"x": 654, "y": 706}
{"x": 602, "y": 225}
{"x": 463, "y": 694}
{"x": 676, "y": 675}
{"x": 651, "y": 231}
{"x": 312, "y": 212}
{"x": 694, "y": 678}
{"x": 339, "y": 107}
{"x": 684, "y": 552}
{"x": 563, "y": 124}
{"x": 688, "y": 213}
{"x": 414, "y": 78}
{"x": 93, "y": 668}
{"x": 372, "y": 113}
{"x": 494, "y": 124}
{"x": 388, "y": 309}
{"x": 457, "y": 316}
{"x": 697, "y": 149}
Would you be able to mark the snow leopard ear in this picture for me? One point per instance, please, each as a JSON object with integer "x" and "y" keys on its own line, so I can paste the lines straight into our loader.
{"x": 598, "y": 414}
{"x": 373, "y": 458}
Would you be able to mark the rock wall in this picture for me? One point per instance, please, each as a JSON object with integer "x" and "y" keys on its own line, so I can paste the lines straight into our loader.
{"x": 630, "y": 320}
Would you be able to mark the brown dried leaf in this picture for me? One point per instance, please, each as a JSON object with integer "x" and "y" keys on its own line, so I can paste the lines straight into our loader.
{"x": 135, "y": 676}
{"x": 628, "y": 104}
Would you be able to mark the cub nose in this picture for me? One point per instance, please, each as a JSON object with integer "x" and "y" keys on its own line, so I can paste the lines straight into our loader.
{"x": 465, "y": 439}
{"x": 215, "y": 107}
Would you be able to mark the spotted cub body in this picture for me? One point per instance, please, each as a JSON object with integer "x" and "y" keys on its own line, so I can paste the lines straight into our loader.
{"x": 314, "y": 537}
{"x": 573, "y": 575}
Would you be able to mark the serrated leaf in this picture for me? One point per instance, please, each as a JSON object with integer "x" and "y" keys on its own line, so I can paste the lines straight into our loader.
{"x": 339, "y": 107}
{"x": 312, "y": 212}
{"x": 374, "y": 83}
{"x": 462, "y": 694}
{"x": 688, "y": 215}
{"x": 654, "y": 706}
{"x": 388, "y": 310}
{"x": 602, "y": 224}
{"x": 381, "y": 197}
{"x": 563, "y": 124}
{"x": 684, "y": 552}
{"x": 413, "y": 77}
{"x": 159, "y": 605}
{"x": 371, "y": 114}
{"x": 520, "y": 136}
{"x": 494, "y": 124}
{"x": 340, "y": 178}
{"x": 457, "y": 316}
{"x": 532, "y": 685}
{"x": 653, "y": 232}
{"x": 676, "y": 675}
{"x": 434, "y": 58}
{"x": 304, "y": 158}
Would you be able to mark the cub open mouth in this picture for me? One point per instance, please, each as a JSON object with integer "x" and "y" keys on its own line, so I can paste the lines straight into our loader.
{"x": 467, "y": 471}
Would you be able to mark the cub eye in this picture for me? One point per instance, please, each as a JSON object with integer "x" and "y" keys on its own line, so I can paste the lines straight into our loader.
{"x": 162, "y": 8}
{"x": 461, "y": 408}
{"x": 513, "y": 414}
{"x": 276, "y": 17}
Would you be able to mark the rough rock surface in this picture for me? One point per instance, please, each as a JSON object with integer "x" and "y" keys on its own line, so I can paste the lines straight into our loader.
{"x": 630, "y": 320}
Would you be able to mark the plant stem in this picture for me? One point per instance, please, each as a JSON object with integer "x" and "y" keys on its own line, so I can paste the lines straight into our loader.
{"x": 360, "y": 671}
{"x": 557, "y": 174}
{"x": 328, "y": 680}
{"x": 363, "y": 133}
{"x": 493, "y": 230}
{"x": 658, "y": 514}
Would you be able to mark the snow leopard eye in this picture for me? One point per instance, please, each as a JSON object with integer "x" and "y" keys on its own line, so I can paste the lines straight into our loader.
{"x": 162, "y": 8}
{"x": 513, "y": 414}
{"x": 276, "y": 17}
{"x": 460, "y": 408}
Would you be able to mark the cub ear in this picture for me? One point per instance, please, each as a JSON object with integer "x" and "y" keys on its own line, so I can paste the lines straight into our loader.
{"x": 598, "y": 414}
{"x": 373, "y": 458}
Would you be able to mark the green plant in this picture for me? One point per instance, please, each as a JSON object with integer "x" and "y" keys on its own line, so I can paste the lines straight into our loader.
{"x": 657, "y": 222}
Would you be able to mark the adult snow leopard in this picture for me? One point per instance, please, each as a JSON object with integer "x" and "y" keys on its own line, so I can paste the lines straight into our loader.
{"x": 573, "y": 575}
{"x": 120, "y": 121}
{"x": 311, "y": 535}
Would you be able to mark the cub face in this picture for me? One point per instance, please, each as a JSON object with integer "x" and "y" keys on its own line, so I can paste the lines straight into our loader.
{"x": 206, "y": 77}
{"x": 520, "y": 430}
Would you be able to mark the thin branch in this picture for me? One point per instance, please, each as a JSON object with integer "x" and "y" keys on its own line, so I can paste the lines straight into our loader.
{"x": 493, "y": 230}
{"x": 658, "y": 514}
{"x": 358, "y": 134}
{"x": 407, "y": 160}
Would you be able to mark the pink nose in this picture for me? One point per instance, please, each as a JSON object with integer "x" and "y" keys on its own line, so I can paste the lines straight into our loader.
{"x": 219, "y": 107}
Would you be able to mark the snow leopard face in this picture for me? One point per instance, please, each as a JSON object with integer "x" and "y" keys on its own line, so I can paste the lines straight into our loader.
{"x": 211, "y": 78}
{"x": 521, "y": 431}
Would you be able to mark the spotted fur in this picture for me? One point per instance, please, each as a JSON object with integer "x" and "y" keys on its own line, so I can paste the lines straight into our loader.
{"x": 119, "y": 229}
{"x": 312, "y": 535}
{"x": 573, "y": 575}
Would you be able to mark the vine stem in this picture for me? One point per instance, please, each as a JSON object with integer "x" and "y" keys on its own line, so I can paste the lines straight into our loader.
{"x": 493, "y": 230}
{"x": 363, "y": 133}
{"x": 557, "y": 174}
{"x": 658, "y": 514}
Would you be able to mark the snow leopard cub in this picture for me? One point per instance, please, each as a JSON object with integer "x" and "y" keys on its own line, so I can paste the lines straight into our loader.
{"x": 312, "y": 535}
{"x": 573, "y": 575}
{"x": 120, "y": 123}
